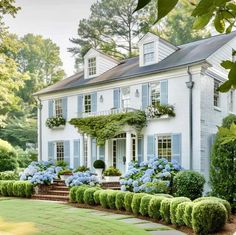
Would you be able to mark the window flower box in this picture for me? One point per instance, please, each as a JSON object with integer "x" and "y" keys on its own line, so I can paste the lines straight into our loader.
{"x": 159, "y": 111}
{"x": 56, "y": 122}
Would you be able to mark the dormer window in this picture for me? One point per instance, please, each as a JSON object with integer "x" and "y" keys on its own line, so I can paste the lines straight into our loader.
{"x": 148, "y": 53}
{"x": 92, "y": 68}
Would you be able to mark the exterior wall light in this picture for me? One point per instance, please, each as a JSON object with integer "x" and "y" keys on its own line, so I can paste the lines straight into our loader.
{"x": 101, "y": 99}
{"x": 137, "y": 93}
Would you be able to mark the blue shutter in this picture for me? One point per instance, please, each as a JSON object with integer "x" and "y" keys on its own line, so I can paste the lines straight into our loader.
{"x": 102, "y": 152}
{"x": 116, "y": 98}
{"x": 50, "y": 108}
{"x": 164, "y": 92}
{"x": 176, "y": 148}
{"x": 94, "y": 102}
{"x": 94, "y": 150}
{"x": 64, "y": 107}
{"x": 76, "y": 153}
{"x": 80, "y": 105}
{"x": 140, "y": 150}
{"x": 150, "y": 146}
{"x": 51, "y": 149}
{"x": 145, "y": 96}
{"x": 67, "y": 152}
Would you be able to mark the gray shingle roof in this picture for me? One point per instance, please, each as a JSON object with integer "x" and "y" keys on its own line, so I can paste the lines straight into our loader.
{"x": 186, "y": 54}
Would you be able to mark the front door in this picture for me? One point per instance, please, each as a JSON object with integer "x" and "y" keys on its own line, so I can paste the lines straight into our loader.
{"x": 120, "y": 155}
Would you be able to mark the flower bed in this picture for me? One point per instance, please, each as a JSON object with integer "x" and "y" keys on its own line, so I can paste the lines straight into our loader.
{"x": 153, "y": 176}
{"x": 180, "y": 211}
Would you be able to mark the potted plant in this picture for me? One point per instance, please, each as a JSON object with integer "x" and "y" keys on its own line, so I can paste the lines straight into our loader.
{"x": 112, "y": 174}
{"x": 64, "y": 174}
{"x": 99, "y": 166}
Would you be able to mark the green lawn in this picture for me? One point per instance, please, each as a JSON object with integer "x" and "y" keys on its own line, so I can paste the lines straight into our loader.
{"x": 59, "y": 219}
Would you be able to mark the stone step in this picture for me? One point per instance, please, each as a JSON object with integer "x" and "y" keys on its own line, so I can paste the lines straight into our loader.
{"x": 50, "y": 197}
{"x": 58, "y": 192}
{"x": 60, "y": 188}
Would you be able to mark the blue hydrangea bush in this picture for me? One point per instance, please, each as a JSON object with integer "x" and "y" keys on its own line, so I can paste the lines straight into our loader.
{"x": 153, "y": 176}
{"x": 82, "y": 178}
{"x": 42, "y": 172}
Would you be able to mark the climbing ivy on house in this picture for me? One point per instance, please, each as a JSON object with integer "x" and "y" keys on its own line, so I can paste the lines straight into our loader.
{"x": 108, "y": 126}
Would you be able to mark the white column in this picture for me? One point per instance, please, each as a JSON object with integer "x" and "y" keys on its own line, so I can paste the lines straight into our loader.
{"x": 136, "y": 147}
{"x": 81, "y": 150}
{"x": 107, "y": 153}
{"x": 128, "y": 149}
{"x": 89, "y": 164}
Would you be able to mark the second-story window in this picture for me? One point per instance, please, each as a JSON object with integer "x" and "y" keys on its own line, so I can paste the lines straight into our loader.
{"x": 231, "y": 101}
{"x": 58, "y": 108}
{"x": 148, "y": 53}
{"x": 155, "y": 93}
{"x": 125, "y": 97}
{"x": 216, "y": 94}
{"x": 87, "y": 103}
{"x": 92, "y": 68}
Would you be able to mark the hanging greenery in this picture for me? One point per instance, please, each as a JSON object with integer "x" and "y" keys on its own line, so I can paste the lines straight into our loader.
{"x": 108, "y": 126}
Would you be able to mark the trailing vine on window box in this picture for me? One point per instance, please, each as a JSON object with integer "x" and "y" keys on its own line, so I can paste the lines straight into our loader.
{"x": 156, "y": 111}
{"x": 55, "y": 122}
{"x": 105, "y": 127}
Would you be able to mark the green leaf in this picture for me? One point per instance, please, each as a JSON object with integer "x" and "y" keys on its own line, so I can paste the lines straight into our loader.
{"x": 202, "y": 21}
{"x": 231, "y": 6}
{"x": 141, "y": 4}
{"x": 225, "y": 87}
{"x": 203, "y": 8}
{"x": 227, "y": 15}
{"x": 219, "y": 23}
{"x": 227, "y": 64}
{"x": 229, "y": 28}
{"x": 232, "y": 74}
{"x": 164, "y": 7}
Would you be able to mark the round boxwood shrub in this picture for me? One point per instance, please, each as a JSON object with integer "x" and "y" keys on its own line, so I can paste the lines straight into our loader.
{"x": 89, "y": 195}
{"x": 135, "y": 205}
{"x": 188, "y": 214}
{"x": 6, "y": 187}
{"x": 103, "y": 198}
{"x": 208, "y": 216}
{"x": 111, "y": 199}
{"x": 165, "y": 210}
{"x": 154, "y": 207}
{"x": 72, "y": 195}
{"x": 99, "y": 164}
{"x": 163, "y": 195}
{"x": 224, "y": 202}
{"x": 120, "y": 200}
{"x": 144, "y": 205}
{"x": 96, "y": 196}
{"x": 9, "y": 185}
{"x": 180, "y": 213}
{"x": 8, "y": 157}
{"x": 189, "y": 184}
{"x": 80, "y": 193}
{"x": 128, "y": 201}
{"x": 173, "y": 207}
{"x": 22, "y": 189}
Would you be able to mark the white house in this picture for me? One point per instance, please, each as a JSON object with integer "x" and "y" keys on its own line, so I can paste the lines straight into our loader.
{"x": 186, "y": 77}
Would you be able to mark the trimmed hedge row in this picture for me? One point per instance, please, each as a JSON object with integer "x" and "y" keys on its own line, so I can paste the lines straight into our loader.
{"x": 12, "y": 188}
{"x": 204, "y": 215}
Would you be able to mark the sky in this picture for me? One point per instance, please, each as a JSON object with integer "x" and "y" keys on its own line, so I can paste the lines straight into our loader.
{"x": 54, "y": 19}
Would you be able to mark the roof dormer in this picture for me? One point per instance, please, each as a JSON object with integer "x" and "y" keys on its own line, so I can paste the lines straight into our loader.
{"x": 153, "y": 49}
{"x": 96, "y": 63}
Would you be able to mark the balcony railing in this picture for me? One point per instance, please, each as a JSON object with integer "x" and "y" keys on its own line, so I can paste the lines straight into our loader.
{"x": 106, "y": 112}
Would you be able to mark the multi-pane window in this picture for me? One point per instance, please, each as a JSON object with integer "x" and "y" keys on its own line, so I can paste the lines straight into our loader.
{"x": 60, "y": 151}
{"x": 148, "y": 53}
{"x": 85, "y": 150}
{"x": 58, "y": 108}
{"x": 216, "y": 93}
{"x": 231, "y": 101}
{"x": 133, "y": 149}
{"x": 125, "y": 97}
{"x": 155, "y": 93}
{"x": 92, "y": 68}
{"x": 164, "y": 147}
{"x": 114, "y": 149}
{"x": 87, "y": 103}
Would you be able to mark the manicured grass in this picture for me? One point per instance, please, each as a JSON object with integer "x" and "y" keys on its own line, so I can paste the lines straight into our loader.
{"x": 60, "y": 219}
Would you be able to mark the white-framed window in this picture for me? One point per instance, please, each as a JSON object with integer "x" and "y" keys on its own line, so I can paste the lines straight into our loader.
{"x": 58, "y": 107}
{"x": 92, "y": 67}
{"x": 148, "y": 53}
{"x": 125, "y": 97}
{"x": 216, "y": 93}
{"x": 60, "y": 151}
{"x": 155, "y": 93}
{"x": 87, "y": 103}
{"x": 164, "y": 146}
{"x": 231, "y": 100}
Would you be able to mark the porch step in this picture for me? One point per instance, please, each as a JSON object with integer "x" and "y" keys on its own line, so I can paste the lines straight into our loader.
{"x": 60, "y": 188}
{"x": 110, "y": 185}
{"x": 59, "y": 182}
{"x": 51, "y": 197}
{"x": 58, "y": 192}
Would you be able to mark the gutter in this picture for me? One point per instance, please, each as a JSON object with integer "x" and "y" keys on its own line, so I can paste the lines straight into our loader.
{"x": 190, "y": 85}
{"x": 40, "y": 106}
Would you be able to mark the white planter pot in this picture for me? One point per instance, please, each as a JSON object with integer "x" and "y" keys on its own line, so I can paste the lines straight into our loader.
{"x": 64, "y": 177}
{"x": 98, "y": 171}
{"x": 112, "y": 178}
